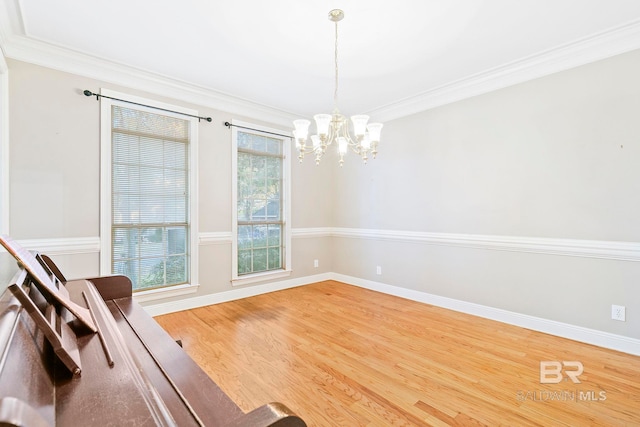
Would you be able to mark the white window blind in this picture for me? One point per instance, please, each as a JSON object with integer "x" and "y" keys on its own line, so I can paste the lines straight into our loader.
{"x": 150, "y": 198}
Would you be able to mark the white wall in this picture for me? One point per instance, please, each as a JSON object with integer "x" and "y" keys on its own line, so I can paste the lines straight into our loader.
{"x": 55, "y": 165}
{"x": 524, "y": 199}
{"x": 556, "y": 159}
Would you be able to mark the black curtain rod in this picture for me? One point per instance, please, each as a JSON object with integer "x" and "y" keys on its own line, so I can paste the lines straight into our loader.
{"x": 227, "y": 124}
{"x": 98, "y": 96}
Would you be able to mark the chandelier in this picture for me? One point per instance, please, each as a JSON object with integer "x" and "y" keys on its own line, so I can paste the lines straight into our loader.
{"x": 334, "y": 127}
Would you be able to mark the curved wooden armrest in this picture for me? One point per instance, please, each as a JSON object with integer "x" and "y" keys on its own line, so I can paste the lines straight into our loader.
{"x": 270, "y": 415}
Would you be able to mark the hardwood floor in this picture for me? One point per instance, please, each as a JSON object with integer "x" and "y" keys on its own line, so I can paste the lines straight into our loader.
{"x": 339, "y": 355}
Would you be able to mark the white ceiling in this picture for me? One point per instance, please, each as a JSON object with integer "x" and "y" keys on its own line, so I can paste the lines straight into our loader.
{"x": 395, "y": 57}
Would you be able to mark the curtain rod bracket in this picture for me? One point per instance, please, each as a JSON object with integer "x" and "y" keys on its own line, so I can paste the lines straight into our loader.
{"x": 89, "y": 93}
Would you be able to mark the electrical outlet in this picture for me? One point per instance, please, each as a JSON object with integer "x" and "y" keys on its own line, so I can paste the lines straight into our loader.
{"x": 618, "y": 312}
{"x": 316, "y": 264}
{"x": 378, "y": 270}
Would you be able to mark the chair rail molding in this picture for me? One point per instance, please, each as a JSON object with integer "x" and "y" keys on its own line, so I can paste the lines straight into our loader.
{"x": 215, "y": 237}
{"x": 62, "y": 246}
{"x": 301, "y": 233}
{"x": 601, "y": 249}
{"x": 614, "y": 250}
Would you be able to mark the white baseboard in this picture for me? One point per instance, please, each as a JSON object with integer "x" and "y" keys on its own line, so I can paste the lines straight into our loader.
{"x": 231, "y": 295}
{"x": 564, "y": 330}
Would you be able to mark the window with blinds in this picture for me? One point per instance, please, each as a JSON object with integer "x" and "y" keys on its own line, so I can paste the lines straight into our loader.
{"x": 149, "y": 197}
{"x": 259, "y": 203}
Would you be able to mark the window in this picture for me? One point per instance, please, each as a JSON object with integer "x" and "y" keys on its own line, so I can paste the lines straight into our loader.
{"x": 148, "y": 222}
{"x": 261, "y": 204}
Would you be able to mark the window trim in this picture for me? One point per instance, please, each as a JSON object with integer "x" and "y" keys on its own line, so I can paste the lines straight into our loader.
{"x": 105, "y": 188}
{"x": 286, "y": 270}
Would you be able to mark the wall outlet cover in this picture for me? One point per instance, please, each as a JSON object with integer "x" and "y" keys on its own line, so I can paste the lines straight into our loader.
{"x": 618, "y": 312}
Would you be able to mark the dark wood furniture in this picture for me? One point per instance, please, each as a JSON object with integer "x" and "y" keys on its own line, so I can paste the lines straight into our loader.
{"x": 118, "y": 367}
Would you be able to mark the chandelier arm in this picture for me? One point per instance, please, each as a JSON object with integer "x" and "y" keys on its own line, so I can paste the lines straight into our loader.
{"x": 306, "y": 149}
{"x": 354, "y": 145}
{"x": 347, "y": 135}
{"x": 355, "y": 148}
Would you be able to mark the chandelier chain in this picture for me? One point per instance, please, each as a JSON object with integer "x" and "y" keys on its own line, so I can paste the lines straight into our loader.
{"x": 335, "y": 58}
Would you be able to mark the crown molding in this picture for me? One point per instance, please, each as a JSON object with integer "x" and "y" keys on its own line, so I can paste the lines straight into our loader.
{"x": 615, "y": 41}
{"x": 17, "y": 45}
{"x": 37, "y": 52}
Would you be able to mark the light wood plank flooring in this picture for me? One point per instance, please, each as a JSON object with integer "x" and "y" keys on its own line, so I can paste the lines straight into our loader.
{"x": 339, "y": 355}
